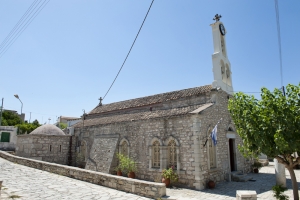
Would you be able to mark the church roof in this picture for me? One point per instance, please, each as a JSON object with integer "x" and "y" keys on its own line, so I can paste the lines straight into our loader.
{"x": 144, "y": 115}
{"x": 149, "y": 100}
{"x": 47, "y": 129}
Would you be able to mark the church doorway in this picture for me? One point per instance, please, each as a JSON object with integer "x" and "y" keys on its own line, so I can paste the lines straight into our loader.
{"x": 232, "y": 154}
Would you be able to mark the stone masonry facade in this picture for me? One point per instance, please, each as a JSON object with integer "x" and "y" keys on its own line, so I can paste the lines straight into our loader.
{"x": 50, "y": 148}
{"x": 186, "y": 116}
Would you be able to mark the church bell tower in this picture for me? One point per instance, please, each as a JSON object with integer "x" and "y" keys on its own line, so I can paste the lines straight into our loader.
{"x": 221, "y": 65}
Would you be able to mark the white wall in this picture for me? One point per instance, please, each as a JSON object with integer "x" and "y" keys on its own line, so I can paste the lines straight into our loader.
{"x": 9, "y": 146}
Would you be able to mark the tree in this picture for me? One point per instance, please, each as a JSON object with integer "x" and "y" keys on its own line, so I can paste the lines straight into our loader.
{"x": 36, "y": 123}
{"x": 62, "y": 125}
{"x": 270, "y": 126}
{"x": 10, "y": 118}
{"x": 27, "y": 127}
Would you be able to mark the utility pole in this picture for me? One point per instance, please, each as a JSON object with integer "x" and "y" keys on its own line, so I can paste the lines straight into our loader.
{"x": 1, "y": 111}
{"x": 283, "y": 90}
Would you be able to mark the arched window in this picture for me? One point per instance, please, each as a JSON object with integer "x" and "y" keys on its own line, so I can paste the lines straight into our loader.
{"x": 172, "y": 157}
{"x": 124, "y": 148}
{"x": 156, "y": 155}
{"x": 228, "y": 75}
{"x": 223, "y": 71}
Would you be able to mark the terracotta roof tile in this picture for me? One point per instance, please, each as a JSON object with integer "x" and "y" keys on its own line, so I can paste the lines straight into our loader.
{"x": 144, "y": 101}
{"x": 144, "y": 115}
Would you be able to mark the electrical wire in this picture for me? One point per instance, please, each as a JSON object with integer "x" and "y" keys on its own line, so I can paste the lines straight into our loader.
{"x": 279, "y": 40}
{"x": 129, "y": 51}
{"x": 24, "y": 28}
{"x": 4, "y": 108}
{"x": 16, "y": 26}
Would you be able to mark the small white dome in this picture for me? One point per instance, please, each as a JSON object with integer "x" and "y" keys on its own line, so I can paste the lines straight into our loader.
{"x": 47, "y": 129}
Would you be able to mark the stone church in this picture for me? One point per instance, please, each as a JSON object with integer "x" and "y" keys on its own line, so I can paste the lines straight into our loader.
{"x": 169, "y": 129}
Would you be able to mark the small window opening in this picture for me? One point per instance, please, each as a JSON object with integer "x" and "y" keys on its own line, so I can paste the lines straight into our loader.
{"x": 59, "y": 148}
{"x": 50, "y": 148}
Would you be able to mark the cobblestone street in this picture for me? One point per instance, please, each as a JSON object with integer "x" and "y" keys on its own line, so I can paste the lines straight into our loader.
{"x": 27, "y": 183}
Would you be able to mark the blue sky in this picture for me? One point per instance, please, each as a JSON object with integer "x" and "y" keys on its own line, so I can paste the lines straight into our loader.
{"x": 69, "y": 55}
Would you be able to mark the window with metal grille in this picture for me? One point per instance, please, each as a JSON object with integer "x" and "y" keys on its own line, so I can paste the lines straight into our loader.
{"x": 124, "y": 148}
{"x": 172, "y": 158}
{"x": 156, "y": 155}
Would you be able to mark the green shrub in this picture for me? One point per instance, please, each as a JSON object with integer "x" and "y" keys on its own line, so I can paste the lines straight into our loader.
{"x": 278, "y": 192}
{"x": 126, "y": 164}
{"x": 169, "y": 173}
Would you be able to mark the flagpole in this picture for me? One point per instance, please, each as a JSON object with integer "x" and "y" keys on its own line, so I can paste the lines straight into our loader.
{"x": 211, "y": 132}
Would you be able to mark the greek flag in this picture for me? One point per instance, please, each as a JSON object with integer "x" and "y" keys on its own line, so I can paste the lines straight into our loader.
{"x": 214, "y": 135}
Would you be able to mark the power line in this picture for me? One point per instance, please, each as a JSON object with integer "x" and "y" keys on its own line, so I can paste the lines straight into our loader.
{"x": 23, "y": 28}
{"x": 4, "y": 108}
{"x": 19, "y": 27}
{"x": 279, "y": 40}
{"x": 12, "y": 41}
{"x": 15, "y": 27}
{"x": 129, "y": 50}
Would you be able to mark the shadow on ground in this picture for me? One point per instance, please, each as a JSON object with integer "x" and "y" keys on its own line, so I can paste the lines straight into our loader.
{"x": 263, "y": 183}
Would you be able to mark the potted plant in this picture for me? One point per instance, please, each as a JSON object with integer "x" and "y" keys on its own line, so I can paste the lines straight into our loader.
{"x": 127, "y": 164}
{"x": 256, "y": 166}
{"x": 130, "y": 166}
{"x": 169, "y": 175}
{"x": 211, "y": 184}
{"x": 120, "y": 167}
{"x": 119, "y": 170}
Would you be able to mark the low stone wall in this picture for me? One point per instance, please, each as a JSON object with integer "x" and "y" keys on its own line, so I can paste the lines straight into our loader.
{"x": 7, "y": 146}
{"x": 134, "y": 186}
{"x": 48, "y": 148}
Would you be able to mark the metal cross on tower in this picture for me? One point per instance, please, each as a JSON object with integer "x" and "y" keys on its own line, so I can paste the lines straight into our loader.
{"x": 217, "y": 17}
{"x": 100, "y": 103}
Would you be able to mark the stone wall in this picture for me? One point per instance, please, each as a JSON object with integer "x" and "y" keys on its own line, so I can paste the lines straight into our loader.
{"x": 134, "y": 186}
{"x": 7, "y": 146}
{"x": 190, "y": 132}
{"x": 50, "y": 148}
{"x": 225, "y": 131}
{"x": 103, "y": 148}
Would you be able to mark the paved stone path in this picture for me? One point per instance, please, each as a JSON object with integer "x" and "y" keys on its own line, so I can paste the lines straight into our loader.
{"x": 265, "y": 179}
{"x": 29, "y": 183}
